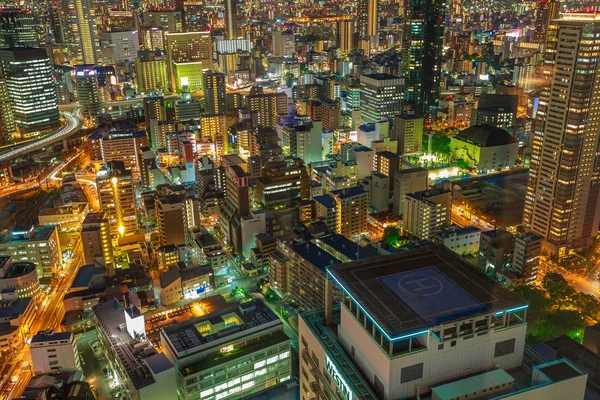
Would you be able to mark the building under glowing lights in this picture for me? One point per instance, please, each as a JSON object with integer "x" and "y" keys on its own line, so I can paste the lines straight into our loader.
{"x": 117, "y": 198}
{"x": 408, "y": 322}
{"x": 228, "y": 354}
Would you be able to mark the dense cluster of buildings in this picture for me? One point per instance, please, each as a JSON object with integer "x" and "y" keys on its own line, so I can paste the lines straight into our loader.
{"x": 330, "y": 201}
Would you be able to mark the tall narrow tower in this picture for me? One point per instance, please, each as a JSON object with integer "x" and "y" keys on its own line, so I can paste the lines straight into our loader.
{"x": 422, "y": 52}
{"x": 562, "y": 192}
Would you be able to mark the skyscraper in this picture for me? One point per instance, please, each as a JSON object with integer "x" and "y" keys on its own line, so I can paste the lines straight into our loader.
{"x": 214, "y": 93}
{"x": 88, "y": 92}
{"x": 17, "y": 29}
{"x": 284, "y": 43}
{"x": 31, "y": 90}
{"x": 547, "y": 11}
{"x": 96, "y": 241}
{"x": 188, "y": 54}
{"x": 89, "y": 41}
{"x": 267, "y": 105}
{"x": 368, "y": 18}
{"x": 422, "y": 52}
{"x": 117, "y": 198}
{"x": 230, "y": 18}
{"x": 562, "y": 191}
{"x": 346, "y": 38}
{"x": 171, "y": 219}
{"x": 7, "y": 120}
{"x": 381, "y": 95}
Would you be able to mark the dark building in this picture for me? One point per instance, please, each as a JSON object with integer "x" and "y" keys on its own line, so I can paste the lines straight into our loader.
{"x": 422, "y": 58}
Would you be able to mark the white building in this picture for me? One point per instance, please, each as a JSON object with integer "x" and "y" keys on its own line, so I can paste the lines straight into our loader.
{"x": 284, "y": 44}
{"x": 408, "y": 322}
{"x": 252, "y": 225}
{"x": 460, "y": 240}
{"x": 426, "y": 212}
{"x": 54, "y": 351}
{"x": 119, "y": 48}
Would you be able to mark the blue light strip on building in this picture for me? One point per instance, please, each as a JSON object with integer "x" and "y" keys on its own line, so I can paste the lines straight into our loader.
{"x": 512, "y": 310}
{"x": 403, "y": 337}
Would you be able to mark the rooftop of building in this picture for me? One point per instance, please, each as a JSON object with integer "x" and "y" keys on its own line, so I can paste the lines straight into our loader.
{"x": 193, "y": 335}
{"x": 485, "y": 136}
{"x": 423, "y": 195}
{"x": 24, "y": 235}
{"x": 315, "y": 255}
{"x": 17, "y": 269}
{"x": 343, "y": 248}
{"x": 420, "y": 289}
{"x": 168, "y": 277}
{"x": 86, "y": 273}
{"x": 12, "y": 309}
{"x": 111, "y": 317}
{"x": 121, "y": 132}
{"x": 381, "y": 76}
{"x": 456, "y": 230}
{"x": 326, "y": 200}
{"x": 580, "y": 356}
{"x": 67, "y": 209}
{"x": 50, "y": 336}
{"x": 348, "y": 192}
{"x": 187, "y": 274}
{"x": 387, "y": 154}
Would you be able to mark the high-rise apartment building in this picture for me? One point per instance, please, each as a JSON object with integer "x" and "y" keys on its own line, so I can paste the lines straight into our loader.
{"x": 352, "y": 206}
{"x": 547, "y": 10}
{"x": 235, "y": 206}
{"x": 117, "y": 144}
{"x": 381, "y": 95}
{"x": 86, "y": 33}
{"x": 171, "y": 218}
{"x": 422, "y": 52}
{"x": 151, "y": 72}
{"x": 268, "y": 106}
{"x": 426, "y": 212}
{"x": 282, "y": 183}
{"x": 18, "y": 28}
{"x": 96, "y": 241}
{"x": 346, "y": 35}
{"x": 304, "y": 138}
{"x": 526, "y": 256}
{"x": 562, "y": 192}
{"x": 331, "y": 115}
{"x": 231, "y": 22}
{"x": 368, "y": 19}
{"x": 214, "y": 93}
{"x": 31, "y": 89}
{"x": 117, "y": 198}
{"x": 214, "y": 128}
{"x": 408, "y": 130}
{"x": 171, "y": 21}
{"x": 407, "y": 181}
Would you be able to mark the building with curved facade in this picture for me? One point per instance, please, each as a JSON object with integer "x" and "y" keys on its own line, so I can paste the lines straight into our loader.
{"x": 18, "y": 279}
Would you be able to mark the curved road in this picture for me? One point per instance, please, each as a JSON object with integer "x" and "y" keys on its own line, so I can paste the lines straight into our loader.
{"x": 74, "y": 123}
